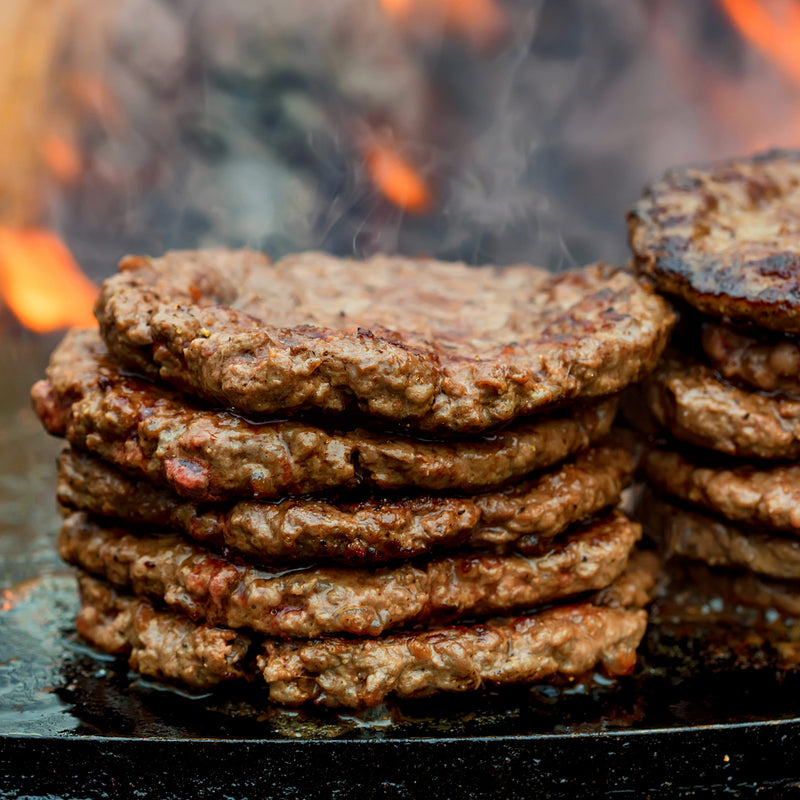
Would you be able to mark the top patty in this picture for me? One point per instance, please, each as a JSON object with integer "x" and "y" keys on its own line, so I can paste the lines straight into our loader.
{"x": 215, "y": 455}
{"x": 726, "y": 238}
{"x": 437, "y": 346}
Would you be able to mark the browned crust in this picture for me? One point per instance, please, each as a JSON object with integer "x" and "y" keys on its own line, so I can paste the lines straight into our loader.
{"x": 720, "y": 544}
{"x": 726, "y": 238}
{"x": 434, "y": 345}
{"x": 155, "y": 434}
{"x": 769, "y": 365}
{"x": 167, "y": 647}
{"x": 373, "y": 529}
{"x": 362, "y": 602}
{"x": 569, "y": 641}
{"x": 761, "y": 497}
{"x": 695, "y": 406}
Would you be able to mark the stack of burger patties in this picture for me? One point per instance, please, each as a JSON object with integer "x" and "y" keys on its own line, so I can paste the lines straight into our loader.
{"x": 305, "y": 472}
{"x": 725, "y": 239}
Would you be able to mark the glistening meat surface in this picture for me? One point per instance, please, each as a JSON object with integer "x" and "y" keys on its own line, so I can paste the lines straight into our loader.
{"x": 214, "y": 455}
{"x": 433, "y": 345}
{"x": 362, "y": 602}
{"x": 373, "y": 529}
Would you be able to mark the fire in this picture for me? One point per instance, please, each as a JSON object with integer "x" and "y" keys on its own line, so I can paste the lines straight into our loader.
{"x": 480, "y": 22}
{"x": 8, "y": 600}
{"x": 41, "y": 282}
{"x": 396, "y": 179}
{"x": 775, "y": 35}
{"x": 62, "y": 158}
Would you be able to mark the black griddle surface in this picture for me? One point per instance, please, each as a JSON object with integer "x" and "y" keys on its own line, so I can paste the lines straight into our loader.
{"x": 711, "y": 709}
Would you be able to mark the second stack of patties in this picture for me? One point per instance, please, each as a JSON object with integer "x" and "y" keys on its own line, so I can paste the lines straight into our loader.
{"x": 724, "y": 239}
{"x": 425, "y": 386}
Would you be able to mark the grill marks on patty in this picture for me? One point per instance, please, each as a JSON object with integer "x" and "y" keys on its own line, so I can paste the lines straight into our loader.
{"x": 432, "y": 345}
{"x": 726, "y": 238}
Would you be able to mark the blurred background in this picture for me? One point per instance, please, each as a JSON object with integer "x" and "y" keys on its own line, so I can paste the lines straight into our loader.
{"x": 483, "y": 130}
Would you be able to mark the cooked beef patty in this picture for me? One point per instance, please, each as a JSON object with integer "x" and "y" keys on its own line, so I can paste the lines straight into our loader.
{"x": 720, "y": 544}
{"x": 434, "y": 345}
{"x": 760, "y": 497}
{"x": 726, "y": 238}
{"x": 372, "y": 529}
{"x": 695, "y": 406}
{"x": 568, "y": 640}
{"x": 763, "y": 363}
{"x": 166, "y": 646}
{"x": 363, "y": 602}
{"x": 215, "y": 455}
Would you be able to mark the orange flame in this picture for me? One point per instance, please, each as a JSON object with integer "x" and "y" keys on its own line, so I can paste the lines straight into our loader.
{"x": 8, "y": 600}
{"x": 480, "y": 22}
{"x": 777, "y": 36}
{"x": 62, "y": 158}
{"x": 396, "y": 179}
{"x": 41, "y": 282}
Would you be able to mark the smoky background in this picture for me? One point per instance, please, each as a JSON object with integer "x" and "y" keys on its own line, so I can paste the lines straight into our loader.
{"x": 489, "y": 131}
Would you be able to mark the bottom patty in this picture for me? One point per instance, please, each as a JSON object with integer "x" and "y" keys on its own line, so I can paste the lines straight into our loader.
{"x": 363, "y": 602}
{"x": 162, "y": 645}
{"x": 567, "y": 640}
{"x": 702, "y": 538}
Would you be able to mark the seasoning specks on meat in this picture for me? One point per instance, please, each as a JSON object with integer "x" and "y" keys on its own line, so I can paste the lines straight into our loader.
{"x": 695, "y": 406}
{"x": 435, "y": 346}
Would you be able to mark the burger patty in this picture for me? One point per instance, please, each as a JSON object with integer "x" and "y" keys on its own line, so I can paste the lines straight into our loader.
{"x": 694, "y": 405}
{"x": 568, "y": 640}
{"x": 720, "y": 544}
{"x": 166, "y": 646}
{"x": 761, "y": 497}
{"x": 772, "y": 365}
{"x": 215, "y": 455}
{"x": 434, "y": 345}
{"x": 372, "y": 529}
{"x": 726, "y": 238}
{"x": 306, "y": 602}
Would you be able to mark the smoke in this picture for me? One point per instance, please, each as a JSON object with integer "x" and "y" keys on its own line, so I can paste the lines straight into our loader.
{"x": 532, "y": 123}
